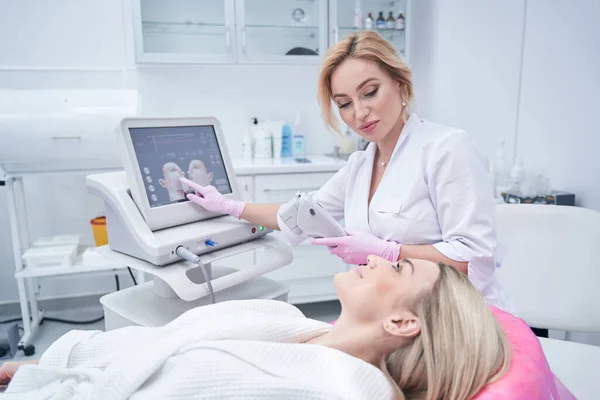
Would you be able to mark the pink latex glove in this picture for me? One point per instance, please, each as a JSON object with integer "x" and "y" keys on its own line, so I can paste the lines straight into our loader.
{"x": 209, "y": 198}
{"x": 355, "y": 248}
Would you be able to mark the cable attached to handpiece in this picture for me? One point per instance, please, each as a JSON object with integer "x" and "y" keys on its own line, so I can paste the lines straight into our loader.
{"x": 194, "y": 259}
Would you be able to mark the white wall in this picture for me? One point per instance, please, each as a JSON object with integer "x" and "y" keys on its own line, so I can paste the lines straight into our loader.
{"x": 558, "y": 131}
{"x": 234, "y": 94}
{"x": 61, "y": 34}
{"x": 467, "y": 57}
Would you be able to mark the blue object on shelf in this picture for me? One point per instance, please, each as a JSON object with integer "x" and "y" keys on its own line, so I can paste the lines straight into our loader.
{"x": 286, "y": 141}
{"x": 298, "y": 145}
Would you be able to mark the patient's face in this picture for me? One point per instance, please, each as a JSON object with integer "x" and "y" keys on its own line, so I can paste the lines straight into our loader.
{"x": 373, "y": 292}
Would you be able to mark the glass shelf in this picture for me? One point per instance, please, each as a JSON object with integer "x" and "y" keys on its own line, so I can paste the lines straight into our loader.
{"x": 283, "y": 26}
{"x": 185, "y": 28}
{"x": 383, "y": 32}
{"x": 287, "y": 30}
{"x": 199, "y": 28}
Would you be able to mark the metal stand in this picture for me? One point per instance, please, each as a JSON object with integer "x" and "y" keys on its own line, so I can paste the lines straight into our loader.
{"x": 20, "y": 242}
{"x": 27, "y": 284}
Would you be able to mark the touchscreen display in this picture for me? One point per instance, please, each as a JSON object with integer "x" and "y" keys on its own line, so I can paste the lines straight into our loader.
{"x": 164, "y": 154}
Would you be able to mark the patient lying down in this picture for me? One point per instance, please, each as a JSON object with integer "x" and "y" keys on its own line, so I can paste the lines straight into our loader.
{"x": 414, "y": 327}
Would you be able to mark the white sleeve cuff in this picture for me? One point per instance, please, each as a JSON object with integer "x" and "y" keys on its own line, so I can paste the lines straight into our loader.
{"x": 480, "y": 269}
{"x": 453, "y": 250}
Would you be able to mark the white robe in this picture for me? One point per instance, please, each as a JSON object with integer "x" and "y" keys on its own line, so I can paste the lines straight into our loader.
{"x": 250, "y": 349}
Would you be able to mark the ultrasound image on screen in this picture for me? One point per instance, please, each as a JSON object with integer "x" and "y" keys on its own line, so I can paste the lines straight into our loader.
{"x": 166, "y": 154}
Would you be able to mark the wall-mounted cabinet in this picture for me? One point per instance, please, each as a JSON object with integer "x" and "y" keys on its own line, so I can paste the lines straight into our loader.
{"x": 257, "y": 31}
{"x": 391, "y": 19}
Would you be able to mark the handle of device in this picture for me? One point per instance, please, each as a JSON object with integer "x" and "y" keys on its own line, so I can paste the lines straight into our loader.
{"x": 280, "y": 256}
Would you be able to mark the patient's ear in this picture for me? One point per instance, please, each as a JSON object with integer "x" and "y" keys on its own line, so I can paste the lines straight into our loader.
{"x": 403, "y": 325}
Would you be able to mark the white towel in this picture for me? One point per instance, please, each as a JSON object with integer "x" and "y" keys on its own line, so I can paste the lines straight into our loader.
{"x": 250, "y": 349}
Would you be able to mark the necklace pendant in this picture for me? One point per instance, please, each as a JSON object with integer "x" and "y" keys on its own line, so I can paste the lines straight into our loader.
{"x": 382, "y": 163}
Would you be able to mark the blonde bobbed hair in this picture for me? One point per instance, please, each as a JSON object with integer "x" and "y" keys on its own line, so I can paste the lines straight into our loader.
{"x": 461, "y": 346}
{"x": 365, "y": 45}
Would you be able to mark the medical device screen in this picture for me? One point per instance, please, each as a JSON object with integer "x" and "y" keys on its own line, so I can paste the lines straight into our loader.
{"x": 164, "y": 154}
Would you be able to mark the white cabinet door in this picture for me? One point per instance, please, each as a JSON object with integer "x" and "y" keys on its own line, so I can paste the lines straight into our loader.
{"x": 246, "y": 185}
{"x": 281, "y": 188}
{"x": 184, "y": 31}
{"x": 342, "y": 21}
{"x": 281, "y": 31}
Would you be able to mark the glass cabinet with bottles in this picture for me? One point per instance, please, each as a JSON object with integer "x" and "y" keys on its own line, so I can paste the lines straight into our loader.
{"x": 184, "y": 31}
{"x": 259, "y": 31}
{"x": 391, "y": 19}
{"x": 229, "y": 31}
{"x": 290, "y": 31}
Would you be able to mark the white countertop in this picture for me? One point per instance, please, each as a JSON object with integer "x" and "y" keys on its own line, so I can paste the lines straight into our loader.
{"x": 288, "y": 165}
{"x": 319, "y": 163}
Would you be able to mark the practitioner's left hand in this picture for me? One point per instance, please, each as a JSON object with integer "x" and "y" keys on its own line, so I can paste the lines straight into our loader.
{"x": 354, "y": 248}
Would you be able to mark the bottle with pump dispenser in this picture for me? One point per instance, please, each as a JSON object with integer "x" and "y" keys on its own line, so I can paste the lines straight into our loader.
{"x": 248, "y": 143}
{"x": 357, "y": 20}
{"x": 263, "y": 140}
{"x": 369, "y": 22}
{"x": 501, "y": 172}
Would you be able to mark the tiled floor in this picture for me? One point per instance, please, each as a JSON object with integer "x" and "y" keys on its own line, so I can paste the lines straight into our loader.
{"x": 50, "y": 331}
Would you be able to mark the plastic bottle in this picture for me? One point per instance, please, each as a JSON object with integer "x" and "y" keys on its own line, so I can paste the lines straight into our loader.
{"x": 276, "y": 128}
{"x": 380, "y": 23}
{"x": 517, "y": 173}
{"x": 400, "y": 22}
{"x": 390, "y": 23}
{"x": 369, "y": 22}
{"x": 357, "y": 21}
{"x": 349, "y": 142}
{"x": 264, "y": 141}
{"x": 298, "y": 145}
{"x": 298, "y": 139}
{"x": 248, "y": 143}
{"x": 501, "y": 171}
{"x": 286, "y": 141}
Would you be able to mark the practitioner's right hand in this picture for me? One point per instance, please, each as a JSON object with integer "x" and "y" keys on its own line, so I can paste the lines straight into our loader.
{"x": 9, "y": 368}
{"x": 209, "y": 198}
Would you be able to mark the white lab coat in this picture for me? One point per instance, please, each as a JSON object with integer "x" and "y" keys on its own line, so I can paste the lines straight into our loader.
{"x": 436, "y": 190}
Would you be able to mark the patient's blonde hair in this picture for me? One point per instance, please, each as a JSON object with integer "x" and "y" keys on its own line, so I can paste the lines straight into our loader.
{"x": 365, "y": 45}
{"x": 460, "y": 349}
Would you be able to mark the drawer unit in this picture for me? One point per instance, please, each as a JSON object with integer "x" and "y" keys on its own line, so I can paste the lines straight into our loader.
{"x": 281, "y": 188}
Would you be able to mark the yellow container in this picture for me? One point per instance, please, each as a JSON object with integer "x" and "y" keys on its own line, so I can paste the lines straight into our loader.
{"x": 99, "y": 230}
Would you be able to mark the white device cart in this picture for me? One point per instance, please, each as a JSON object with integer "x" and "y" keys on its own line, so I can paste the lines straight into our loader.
{"x": 27, "y": 278}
